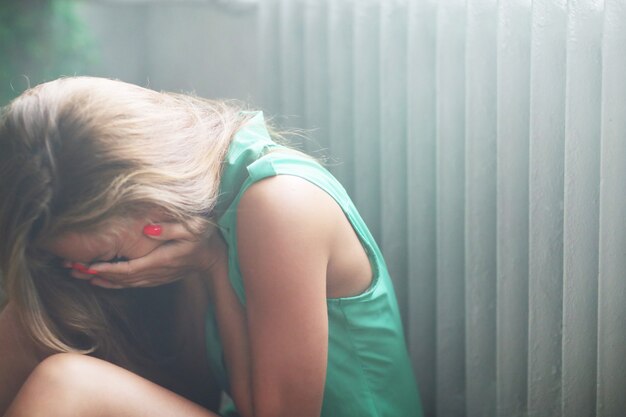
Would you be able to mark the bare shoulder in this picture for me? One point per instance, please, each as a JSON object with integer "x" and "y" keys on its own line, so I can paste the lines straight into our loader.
{"x": 287, "y": 190}
{"x": 289, "y": 222}
{"x": 287, "y": 203}
{"x": 284, "y": 230}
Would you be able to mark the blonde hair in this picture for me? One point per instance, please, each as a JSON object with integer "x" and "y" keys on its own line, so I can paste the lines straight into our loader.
{"x": 77, "y": 152}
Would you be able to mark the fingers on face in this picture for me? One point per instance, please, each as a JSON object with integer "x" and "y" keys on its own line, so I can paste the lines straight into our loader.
{"x": 143, "y": 283}
{"x": 80, "y": 271}
{"x": 105, "y": 283}
{"x": 132, "y": 273}
{"x": 123, "y": 268}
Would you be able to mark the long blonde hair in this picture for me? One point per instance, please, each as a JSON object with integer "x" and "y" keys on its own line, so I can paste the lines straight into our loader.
{"x": 77, "y": 152}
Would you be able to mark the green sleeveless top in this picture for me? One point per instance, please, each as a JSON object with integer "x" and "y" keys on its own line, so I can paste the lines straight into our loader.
{"x": 369, "y": 371}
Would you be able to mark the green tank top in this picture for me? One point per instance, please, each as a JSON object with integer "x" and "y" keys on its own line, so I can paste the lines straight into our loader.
{"x": 369, "y": 372}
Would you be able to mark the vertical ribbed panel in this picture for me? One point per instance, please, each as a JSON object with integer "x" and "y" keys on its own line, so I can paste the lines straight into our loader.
{"x": 450, "y": 177}
{"x": 291, "y": 46}
{"x": 513, "y": 127}
{"x": 485, "y": 144}
{"x": 270, "y": 77}
{"x": 581, "y": 214}
{"x": 612, "y": 258}
{"x": 340, "y": 89}
{"x": 394, "y": 240}
{"x": 547, "y": 129}
{"x": 316, "y": 99}
{"x": 480, "y": 207}
{"x": 421, "y": 188}
{"x": 366, "y": 105}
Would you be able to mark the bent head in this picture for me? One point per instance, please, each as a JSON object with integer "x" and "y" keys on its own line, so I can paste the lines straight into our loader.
{"x": 81, "y": 154}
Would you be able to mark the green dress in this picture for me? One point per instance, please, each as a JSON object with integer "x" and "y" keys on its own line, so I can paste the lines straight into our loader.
{"x": 369, "y": 372}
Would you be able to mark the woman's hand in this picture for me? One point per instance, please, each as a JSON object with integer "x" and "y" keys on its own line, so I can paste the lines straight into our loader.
{"x": 180, "y": 253}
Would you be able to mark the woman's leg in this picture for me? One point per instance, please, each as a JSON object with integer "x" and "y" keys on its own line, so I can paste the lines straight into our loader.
{"x": 77, "y": 385}
{"x": 18, "y": 356}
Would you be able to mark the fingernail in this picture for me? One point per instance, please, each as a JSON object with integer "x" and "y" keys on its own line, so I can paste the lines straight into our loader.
{"x": 152, "y": 230}
{"x": 82, "y": 268}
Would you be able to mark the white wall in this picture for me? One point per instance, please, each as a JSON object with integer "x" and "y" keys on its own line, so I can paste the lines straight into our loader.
{"x": 172, "y": 46}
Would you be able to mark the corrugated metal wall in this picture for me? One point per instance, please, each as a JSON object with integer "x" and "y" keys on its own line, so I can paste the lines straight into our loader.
{"x": 485, "y": 144}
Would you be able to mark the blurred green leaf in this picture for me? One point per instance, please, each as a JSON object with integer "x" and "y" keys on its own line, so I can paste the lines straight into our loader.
{"x": 40, "y": 40}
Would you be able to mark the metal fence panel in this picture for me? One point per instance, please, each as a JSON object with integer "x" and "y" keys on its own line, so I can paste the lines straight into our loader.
{"x": 485, "y": 144}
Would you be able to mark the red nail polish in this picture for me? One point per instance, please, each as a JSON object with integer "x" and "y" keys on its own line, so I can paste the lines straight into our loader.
{"x": 82, "y": 268}
{"x": 152, "y": 230}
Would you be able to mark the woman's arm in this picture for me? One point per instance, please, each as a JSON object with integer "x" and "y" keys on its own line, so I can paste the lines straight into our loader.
{"x": 284, "y": 232}
{"x": 233, "y": 332}
{"x": 18, "y": 356}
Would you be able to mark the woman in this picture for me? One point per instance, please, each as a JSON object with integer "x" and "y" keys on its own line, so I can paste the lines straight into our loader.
{"x": 261, "y": 266}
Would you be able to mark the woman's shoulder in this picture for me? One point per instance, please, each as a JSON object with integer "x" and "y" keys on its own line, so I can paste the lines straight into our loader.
{"x": 285, "y": 204}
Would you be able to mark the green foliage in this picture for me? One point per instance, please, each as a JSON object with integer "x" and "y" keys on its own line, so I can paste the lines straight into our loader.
{"x": 40, "y": 40}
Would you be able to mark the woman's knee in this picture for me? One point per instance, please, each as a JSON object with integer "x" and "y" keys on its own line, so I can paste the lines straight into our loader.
{"x": 61, "y": 370}
{"x": 67, "y": 384}
{"x": 59, "y": 385}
